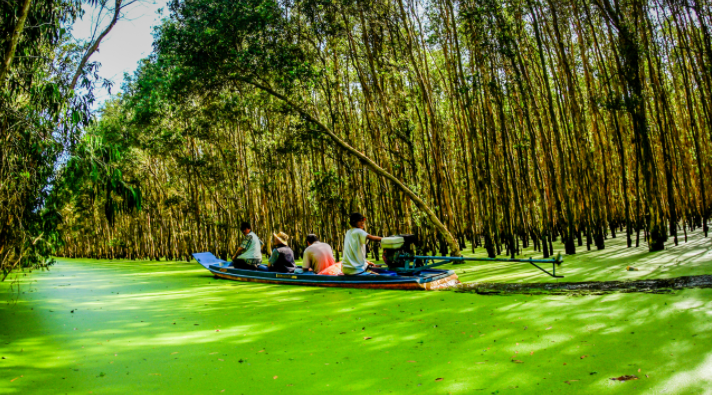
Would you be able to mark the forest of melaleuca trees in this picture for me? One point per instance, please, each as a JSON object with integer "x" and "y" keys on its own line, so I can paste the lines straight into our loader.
{"x": 498, "y": 124}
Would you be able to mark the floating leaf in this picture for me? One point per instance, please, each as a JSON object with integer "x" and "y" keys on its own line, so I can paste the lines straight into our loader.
{"x": 624, "y": 378}
{"x": 275, "y": 377}
{"x": 584, "y": 356}
{"x": 366, "y": 338}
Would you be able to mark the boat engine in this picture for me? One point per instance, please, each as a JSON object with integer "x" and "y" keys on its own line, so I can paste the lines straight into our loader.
{"x": 399, "y": 253}
{"x": 398, "y": 250}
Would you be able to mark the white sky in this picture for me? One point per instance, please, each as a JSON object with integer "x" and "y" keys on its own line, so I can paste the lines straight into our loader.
{"x": 128, "y": 42}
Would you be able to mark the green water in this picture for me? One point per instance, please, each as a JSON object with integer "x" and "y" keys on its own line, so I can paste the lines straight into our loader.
{"x": 690, "y": 258}
{"x": 141, "y": 327}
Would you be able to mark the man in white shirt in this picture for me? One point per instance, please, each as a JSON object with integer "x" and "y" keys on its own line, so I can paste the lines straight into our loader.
{"x": 249, "y": 253}
{"x": 354, "y": 261}
{"x": 317, "y": 256}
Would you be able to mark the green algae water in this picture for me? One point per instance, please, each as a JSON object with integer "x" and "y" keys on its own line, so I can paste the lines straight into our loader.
{"x": 687, "y": 259}
{"x": 99, "y": 327}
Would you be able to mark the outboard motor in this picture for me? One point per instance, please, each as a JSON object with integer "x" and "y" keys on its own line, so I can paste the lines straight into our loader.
{"x": 397, "y": 249}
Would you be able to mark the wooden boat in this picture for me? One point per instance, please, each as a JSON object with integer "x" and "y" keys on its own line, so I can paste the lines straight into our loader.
{"x": 429, "y": 279}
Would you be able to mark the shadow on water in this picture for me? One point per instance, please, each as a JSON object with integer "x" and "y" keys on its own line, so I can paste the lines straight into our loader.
{"x": 172, "y": 328}
{"x": 610, "y": 264}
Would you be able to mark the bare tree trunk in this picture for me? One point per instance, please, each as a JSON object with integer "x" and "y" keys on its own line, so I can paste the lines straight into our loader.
{"x": 12, "y": 44}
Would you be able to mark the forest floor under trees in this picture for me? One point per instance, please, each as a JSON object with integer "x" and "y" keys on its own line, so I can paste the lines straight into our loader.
{"x": 690, "y": 258}
{"x": 122, "y": 327}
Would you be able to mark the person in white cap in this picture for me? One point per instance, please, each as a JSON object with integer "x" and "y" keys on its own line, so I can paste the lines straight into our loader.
{"x": 282, "y": 258}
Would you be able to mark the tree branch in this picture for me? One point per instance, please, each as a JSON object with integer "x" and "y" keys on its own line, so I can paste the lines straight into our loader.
{"x": 95, "y": 45}
{"x": 452, "y": 243}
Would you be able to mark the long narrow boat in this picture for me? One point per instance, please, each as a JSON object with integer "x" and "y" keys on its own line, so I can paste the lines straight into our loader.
{"x": 429, "y": 279}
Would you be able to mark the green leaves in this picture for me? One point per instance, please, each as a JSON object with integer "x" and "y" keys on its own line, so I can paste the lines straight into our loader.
{"x": 211, "y": 42}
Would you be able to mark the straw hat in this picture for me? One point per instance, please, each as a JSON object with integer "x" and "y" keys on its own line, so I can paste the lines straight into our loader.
{"x": 281, "y": 237}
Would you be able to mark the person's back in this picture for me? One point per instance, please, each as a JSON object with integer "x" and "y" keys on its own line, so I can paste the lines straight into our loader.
{"x": 318, "y": 256}
{"x": 282, "y": 258}
{"x": 354, "y": 260}
{"x": 253, "y": 247}
{"x": 285, "y": 261}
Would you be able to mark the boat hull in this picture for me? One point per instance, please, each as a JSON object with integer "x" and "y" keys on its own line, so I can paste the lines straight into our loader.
{"x": 427, "y": 280}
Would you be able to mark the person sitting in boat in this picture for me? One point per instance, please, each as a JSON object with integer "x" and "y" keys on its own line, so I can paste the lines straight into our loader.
{"x": 248, "y": 255}
{"x": 354, "y": 262}
{"x": 282, "y": 258}
{"x": 318, "y": 256}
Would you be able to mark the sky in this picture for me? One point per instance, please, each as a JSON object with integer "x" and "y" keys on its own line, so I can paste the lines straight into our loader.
{"x": 128, "y": 42}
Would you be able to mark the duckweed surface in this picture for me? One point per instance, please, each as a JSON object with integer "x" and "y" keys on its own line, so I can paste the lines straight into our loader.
{"x": 691, "y": 258}
{"x": 104, "y": 327}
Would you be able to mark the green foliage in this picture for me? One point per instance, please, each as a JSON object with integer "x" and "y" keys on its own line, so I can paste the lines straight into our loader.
{"x": 95, "y": 167}
{"x": 211, "y": 43}
{"x": 39, "y": 115}
{"x": 513, "y": 119}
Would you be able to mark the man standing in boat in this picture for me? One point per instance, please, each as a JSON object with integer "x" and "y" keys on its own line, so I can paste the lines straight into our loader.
{"x": 354, "y": 262}
{"x": 248, "y": 255}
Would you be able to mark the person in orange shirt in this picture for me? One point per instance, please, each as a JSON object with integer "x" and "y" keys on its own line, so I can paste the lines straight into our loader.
{"x": 318, "y": 256}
